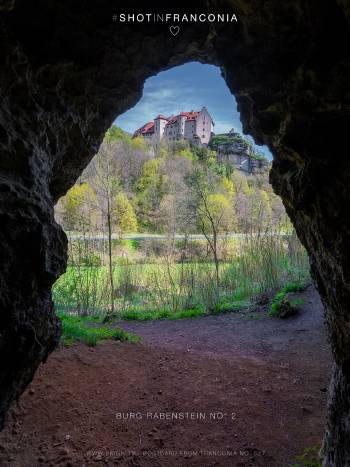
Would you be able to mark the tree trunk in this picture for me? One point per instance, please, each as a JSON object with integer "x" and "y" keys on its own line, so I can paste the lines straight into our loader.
{"x": 216, "y": 259}
{"x": 110, "y": 255}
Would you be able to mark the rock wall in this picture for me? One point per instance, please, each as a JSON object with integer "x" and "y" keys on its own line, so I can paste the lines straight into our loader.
{"x": 67, "y": 71}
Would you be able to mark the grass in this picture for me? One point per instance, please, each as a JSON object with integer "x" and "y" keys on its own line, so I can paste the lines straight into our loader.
{"x": 290, "y": 287}
{"x": 90, "y": 331}
{"x": 139, "y": 315}
{"x": 308, "y": 458}
{"x": 231, "y": 306}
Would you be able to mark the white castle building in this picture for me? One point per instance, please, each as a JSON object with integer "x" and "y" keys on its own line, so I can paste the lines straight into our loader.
{"x": 191, "y": 126}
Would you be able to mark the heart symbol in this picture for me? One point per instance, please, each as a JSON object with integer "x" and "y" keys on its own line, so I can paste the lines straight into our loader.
{"x": 174, "y": 30}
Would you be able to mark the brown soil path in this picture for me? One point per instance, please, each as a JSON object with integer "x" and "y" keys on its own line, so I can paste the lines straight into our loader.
{"x": 246, "y": 392}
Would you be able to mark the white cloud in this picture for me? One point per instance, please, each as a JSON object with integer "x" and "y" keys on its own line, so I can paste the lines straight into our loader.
{"x": 171, "y": 92}
{"x": 167, "y": 99}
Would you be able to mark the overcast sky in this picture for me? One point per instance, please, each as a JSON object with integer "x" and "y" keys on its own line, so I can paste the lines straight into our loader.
{"x": 184, "y": 88}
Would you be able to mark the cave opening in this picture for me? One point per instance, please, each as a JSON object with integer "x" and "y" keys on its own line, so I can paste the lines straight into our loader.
{"x": 176, "y": 186}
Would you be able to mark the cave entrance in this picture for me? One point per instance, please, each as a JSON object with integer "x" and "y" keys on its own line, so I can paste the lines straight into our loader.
{"x": 177, "y": 192}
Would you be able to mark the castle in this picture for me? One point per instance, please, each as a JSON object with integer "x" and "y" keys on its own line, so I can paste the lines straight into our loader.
{"x": 195, "y": 127}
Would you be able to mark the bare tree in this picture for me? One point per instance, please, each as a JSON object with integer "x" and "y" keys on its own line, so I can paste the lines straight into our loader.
{"x": 214, "y": 211}
{"x": 104, "y": 179}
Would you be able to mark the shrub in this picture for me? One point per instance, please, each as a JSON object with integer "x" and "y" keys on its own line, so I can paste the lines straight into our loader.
{"x": 280, "y": 302}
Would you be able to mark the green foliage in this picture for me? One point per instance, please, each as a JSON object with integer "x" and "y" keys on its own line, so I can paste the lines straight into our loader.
{"x": 178, "y": 146}
{"x": 152, "y": 179}
{"x": 203, "y": 153}
{"x": 172, "y": 188}
{"x": 187, "y": 153}
{"x": 149, "y": 193}
{"x": 90, "y": 331}
{"x": 125, "y": 215}
{"x": 218, "y": 212}
{"x": 138, "y": 143}
{"x": 309, "y": 458}
{"x": 294, "y": 287}
{"x": 228, "y": 186}
{"x": 290, "y": 287}
{"x": 226, "y": 140}
{"x": 165, "y": 287}
{"x": 218, "y": 140}
{"x": 115, "y": 134}
{"x": 139, "y": 315}
{"x": 90, "y": 260}
{"x": 276, "y": 303}
{"x": 230, "y": 306}
{"x": 73, "y": 204}
{"x": 149, "y": 176}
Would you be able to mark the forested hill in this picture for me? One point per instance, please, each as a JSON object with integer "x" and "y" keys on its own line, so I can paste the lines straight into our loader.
{"x": 162, "y": 188}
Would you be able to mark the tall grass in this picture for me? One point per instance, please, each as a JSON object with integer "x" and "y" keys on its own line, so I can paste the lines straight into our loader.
{"x": 259, "y": 263}
{"x": 265, "y": 262}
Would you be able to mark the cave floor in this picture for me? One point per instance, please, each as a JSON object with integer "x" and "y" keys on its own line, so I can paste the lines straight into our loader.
{"x": 246, "y": 390}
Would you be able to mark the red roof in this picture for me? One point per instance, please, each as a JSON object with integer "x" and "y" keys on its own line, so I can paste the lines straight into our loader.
{"x": 191, "y": 115}
{"x": 148, "y": 128}
{"x": 172, "y": 120}
{"x": 188, "y": 115}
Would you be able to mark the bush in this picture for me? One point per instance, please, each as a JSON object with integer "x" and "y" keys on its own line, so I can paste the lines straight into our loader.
{"x": 281, "y": 306}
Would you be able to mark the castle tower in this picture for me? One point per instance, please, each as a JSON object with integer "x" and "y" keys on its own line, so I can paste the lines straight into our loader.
{"x": 159, "y": 126}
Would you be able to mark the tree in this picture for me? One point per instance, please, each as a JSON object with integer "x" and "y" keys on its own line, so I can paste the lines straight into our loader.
{"x": 115, "y": 134}
{"x": 214, "y": 211}
{"x": 75, "y": 207}
{"x": 215, "y": 217}
{"x": 124, "y": 214}
{"x": 139, "y": 143}
{"x": 150, "y": 190}
{"x": 187, "y": 153}
{"x": 106, "y": 184}
{"x": 149, "y": 175}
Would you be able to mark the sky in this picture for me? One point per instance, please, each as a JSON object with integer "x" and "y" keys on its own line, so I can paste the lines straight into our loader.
{"x": 184, "y": 88}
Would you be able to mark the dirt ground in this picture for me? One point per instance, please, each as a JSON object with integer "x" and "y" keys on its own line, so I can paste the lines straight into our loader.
{"x": 227, "y": 390}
